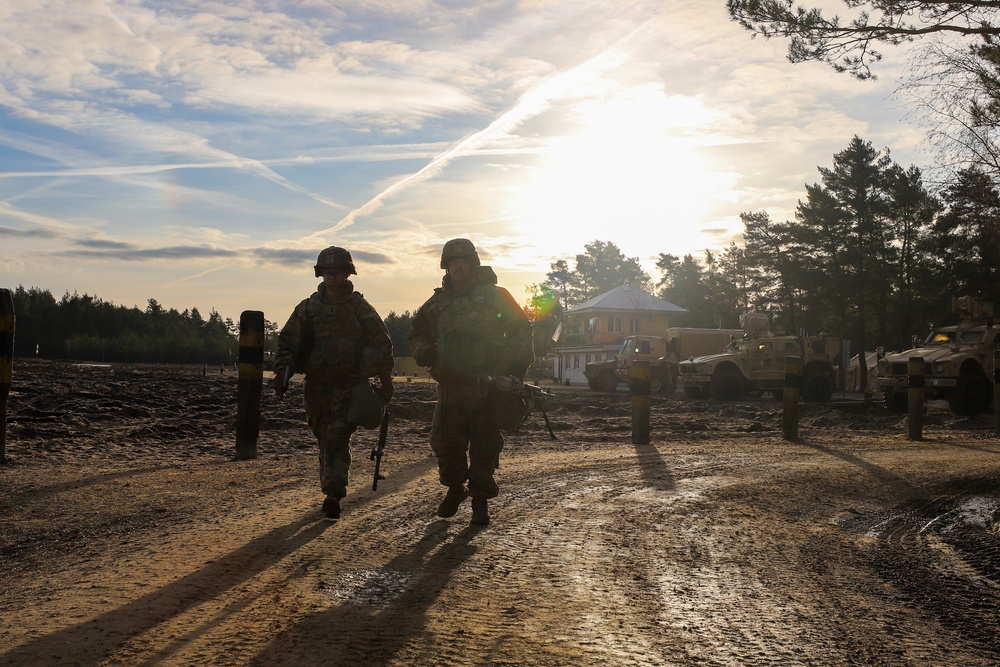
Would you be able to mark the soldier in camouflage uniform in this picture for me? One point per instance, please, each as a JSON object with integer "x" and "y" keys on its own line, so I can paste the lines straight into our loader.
{"x": 470, "y": 326}
{"x": 337, "y": 339}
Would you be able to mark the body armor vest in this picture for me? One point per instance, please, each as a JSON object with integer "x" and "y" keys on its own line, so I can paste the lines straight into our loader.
{"x": 337, "y": 337}
{"x": 470, "y": 333}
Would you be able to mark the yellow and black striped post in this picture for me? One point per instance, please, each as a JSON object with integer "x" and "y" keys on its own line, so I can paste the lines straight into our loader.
{"x": 915, "y": 399}
{"x": 996, "y": 392}
{"x": 639, "y": 386}
{"x": 248, "y": 387}
{"x": 6, "y": 363}
{"x": 790, "y": 395}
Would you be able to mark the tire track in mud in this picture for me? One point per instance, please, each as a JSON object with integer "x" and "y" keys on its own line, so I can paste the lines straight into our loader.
{"x": 940, "y": 553}
{"x": 687, "y": 595}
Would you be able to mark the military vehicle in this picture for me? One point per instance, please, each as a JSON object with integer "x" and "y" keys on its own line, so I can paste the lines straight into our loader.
{"x": 663, "y": 353}
{"x": 958, "y": 362}
{"x": 755, "y": 363}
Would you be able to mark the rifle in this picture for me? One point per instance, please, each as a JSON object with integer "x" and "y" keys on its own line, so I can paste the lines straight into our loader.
{"x": 531, "y": 395}
{"x": 538, "y": 396}
{"x": 284, "y": 383}
{"x": 379, "y": 449}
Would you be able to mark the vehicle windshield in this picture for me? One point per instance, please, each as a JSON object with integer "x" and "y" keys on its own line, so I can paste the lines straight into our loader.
{"x": 733, "y": 346}
{"x": 939, "y": 337}
{"x": 626, "y": 347}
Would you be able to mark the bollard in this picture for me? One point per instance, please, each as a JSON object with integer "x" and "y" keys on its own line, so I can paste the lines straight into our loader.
{"x": 248, "y": 387}
{"x": 996, "y": 392}
{"x": 790, "y": 395}
{"x": 639, "y": 387}
{"x": 915, "y": 399}
{"x": 6, "y": 362}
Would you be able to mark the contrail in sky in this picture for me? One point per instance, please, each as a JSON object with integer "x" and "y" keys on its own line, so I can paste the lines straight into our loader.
{"x": 219, "y": 159}
{"x": 532, "y": 103}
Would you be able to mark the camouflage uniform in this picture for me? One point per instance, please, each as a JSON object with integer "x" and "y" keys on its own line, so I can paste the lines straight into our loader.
{"x": 349, "y": 342}
{"x": 459, "y": 337}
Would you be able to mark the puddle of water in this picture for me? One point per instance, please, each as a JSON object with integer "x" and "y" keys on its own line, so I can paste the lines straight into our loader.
{"x": 962, "y": 513}
{"x": 976, "y": 511}
{"x": 371, "y": 588}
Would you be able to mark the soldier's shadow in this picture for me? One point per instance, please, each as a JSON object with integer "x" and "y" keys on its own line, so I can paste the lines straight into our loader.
{"x": 90, "y": 642}
{"x": 373, "y": 621}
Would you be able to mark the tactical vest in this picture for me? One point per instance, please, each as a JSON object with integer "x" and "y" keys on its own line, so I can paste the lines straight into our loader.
{"x": 337, "y": 337}
{"x": 470, "y": 332}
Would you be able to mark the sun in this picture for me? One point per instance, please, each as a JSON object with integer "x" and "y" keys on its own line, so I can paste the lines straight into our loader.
{"x": 633, "y": 173}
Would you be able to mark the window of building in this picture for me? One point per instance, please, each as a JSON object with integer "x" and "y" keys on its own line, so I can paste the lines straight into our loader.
{"x": 576, "y": 361}
{"x": 592, "y": 325}
{"x": 615, "y": 324}
{"x": 633, "y": 325}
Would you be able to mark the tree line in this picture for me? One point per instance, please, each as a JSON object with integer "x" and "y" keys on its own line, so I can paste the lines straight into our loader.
{"x": 87, "y": 328}
{"x": 871, "y": 255}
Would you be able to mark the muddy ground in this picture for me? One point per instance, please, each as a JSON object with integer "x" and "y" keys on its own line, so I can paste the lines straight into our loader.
{"x": 130, "y": 535}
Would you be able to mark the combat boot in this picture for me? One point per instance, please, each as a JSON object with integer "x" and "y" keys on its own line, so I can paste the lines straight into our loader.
{"x": 480, "y": 512}
{"x": 332, "y": 507}
{"x": 454, "y": 498}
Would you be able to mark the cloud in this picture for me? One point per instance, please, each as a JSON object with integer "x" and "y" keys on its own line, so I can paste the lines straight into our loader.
{"x": 25, "y": 233}
{"x": 105, "y": 244}
{"x": 42, "y": 225}
{"x": 128, "y": 252}
{"x": 332, "y": 96}
{"x": 123, "y": 251}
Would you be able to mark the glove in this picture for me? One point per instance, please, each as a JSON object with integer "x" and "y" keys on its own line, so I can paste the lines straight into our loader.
{"x": 430, "y": 359}
{"x": 387, "y": 390}
{"x": 279, "y": 382}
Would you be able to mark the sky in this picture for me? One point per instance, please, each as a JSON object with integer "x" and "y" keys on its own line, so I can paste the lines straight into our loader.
{"x": 202, "y": 153}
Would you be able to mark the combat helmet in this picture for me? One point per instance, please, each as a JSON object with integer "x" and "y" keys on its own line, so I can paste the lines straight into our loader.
{"x": 335, "y": 258}
{"x": 459, "y": 249}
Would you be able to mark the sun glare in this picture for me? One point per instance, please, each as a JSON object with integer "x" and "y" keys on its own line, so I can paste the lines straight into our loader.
{"x": 632, "y": 175}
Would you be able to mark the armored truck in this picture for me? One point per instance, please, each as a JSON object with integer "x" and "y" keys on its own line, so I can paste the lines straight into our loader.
{"x": 958, "y": 362}
{"x": 755, "y": 363}
{"x": 663, "y": 353}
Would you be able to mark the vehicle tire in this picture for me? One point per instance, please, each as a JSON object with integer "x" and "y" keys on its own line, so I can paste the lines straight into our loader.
{"x": 895, "y": 401}
{"x": 817, "y": 388}
{"x": 668, "y": 388}
{"x": 606, "y": 382}
{"x": 727, "y": 385}
{"x": 695, "y": 392}
{"x": 972, "y": 395}
{"x": 661, "y": 384}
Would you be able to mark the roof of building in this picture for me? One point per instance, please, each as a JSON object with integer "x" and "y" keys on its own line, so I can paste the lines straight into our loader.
{"x": 625, "y": 297}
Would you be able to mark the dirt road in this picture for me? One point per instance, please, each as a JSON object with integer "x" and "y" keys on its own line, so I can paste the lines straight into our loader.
{"x": 130, "y": 536}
